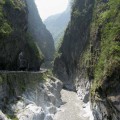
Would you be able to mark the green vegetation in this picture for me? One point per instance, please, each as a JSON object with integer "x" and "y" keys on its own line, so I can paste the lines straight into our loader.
{"x": 1, "y": 80}
{"x": 109, "y": 58}
{"x": 100, "y": 56}
{"x": 12, "y": 117}
{"x": 14, "y": 38}
{"x": 49, "y": 72}
{"x": 33, "y": 47}
{"x": 21, "y": 80}
{"x": 5, "y": 29}
{"x": 58, "y": 53}
{"x": 16, "y": 5}
{"x": 57, "y": 25}
{"x": 76, "y": 13}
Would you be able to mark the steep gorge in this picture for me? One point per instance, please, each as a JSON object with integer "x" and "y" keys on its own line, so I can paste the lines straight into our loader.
{"x": 88, "y": 62}
{"x": 57, "y": 24}
{"x": 74, "y": 41}
{"x": 25, "y": 91}
{"x": 89, "y": 58}
{"x": 38, "y": 30}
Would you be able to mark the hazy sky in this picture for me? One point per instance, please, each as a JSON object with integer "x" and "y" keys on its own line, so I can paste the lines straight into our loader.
{"x": 50, "y": 7}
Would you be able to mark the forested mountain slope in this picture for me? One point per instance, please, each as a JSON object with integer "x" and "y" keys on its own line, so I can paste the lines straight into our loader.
{"x": 57, "y": 24}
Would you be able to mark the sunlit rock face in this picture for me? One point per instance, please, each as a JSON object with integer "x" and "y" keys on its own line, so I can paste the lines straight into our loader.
{"x": 28, "y": 97}
{"x": 39, "y": 32}
{"x": 3, "y": 117}
{"x": 40, "y": 103}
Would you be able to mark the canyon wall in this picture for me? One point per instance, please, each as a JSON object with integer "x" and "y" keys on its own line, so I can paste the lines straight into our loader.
{"x": 38, "y": 30}
{"x": 15, "y": 41}
{"x": 88, "y": 60}
{"x": 24, "y": 94}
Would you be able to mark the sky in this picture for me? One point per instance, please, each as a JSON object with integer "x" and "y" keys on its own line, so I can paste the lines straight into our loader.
{"x": 47, "y": 8}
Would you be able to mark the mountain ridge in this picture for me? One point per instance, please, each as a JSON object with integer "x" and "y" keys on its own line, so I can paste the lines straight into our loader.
{"x": 57, "y": 24}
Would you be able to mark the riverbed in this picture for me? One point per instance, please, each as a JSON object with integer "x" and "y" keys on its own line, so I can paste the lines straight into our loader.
{"x": 72, "y": 108}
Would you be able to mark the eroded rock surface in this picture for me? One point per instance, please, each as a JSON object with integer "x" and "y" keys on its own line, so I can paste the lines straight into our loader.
{"x": 39, "y": 100}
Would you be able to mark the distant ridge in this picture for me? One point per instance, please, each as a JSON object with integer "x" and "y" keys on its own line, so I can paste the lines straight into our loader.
{"x": 57, "y": 24}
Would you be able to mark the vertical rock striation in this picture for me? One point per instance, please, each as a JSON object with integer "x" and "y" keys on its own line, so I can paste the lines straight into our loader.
{"x": 38, "y": 30}
{"x": 14, "y": 38}
{"x": 75, "y": 39}
{"x": 89, "y": 57}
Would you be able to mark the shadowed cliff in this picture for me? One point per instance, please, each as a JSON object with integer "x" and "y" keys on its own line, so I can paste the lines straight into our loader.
{"x": 38, "y": 30}
{"x": 14, "y": 38}
{"x": 88, "y": 60}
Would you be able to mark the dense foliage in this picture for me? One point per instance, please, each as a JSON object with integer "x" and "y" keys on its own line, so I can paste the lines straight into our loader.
{"x": 107, "y": 20}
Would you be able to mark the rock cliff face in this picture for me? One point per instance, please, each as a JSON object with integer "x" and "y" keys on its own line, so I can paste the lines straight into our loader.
{"x": 14, "y": 39}
{"x": 89, "y": 57}
{"x": 74, "y": 41}
{"x": 39, "y": 32}
{"x": 25, "y": 95}
{"x": 28, "y": 96}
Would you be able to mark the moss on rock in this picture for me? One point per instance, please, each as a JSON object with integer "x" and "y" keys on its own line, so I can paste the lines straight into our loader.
{"x": 14, "y": 38}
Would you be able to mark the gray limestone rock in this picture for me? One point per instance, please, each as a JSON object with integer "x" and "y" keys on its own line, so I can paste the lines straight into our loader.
{"x": 86, "y": 97}
{"x": 2, "y": 116}
{"x": 38, "y": 101}
{"x": 31, "y": 112}
{"x": 48, "y": 117}
{"x": 52, "y": 110}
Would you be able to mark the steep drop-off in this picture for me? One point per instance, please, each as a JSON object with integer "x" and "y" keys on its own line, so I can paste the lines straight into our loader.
{"x": 14, "y": 40}
{"x": 89, "y": 58}
{"x": 38, "y": 30}
{"x": 26, "y": 92}
{"x": 74, "y": 41}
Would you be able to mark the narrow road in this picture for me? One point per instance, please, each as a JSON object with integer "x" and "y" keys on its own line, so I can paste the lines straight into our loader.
{"x": 42, "y": 70}
{"x": 72, "y": 108}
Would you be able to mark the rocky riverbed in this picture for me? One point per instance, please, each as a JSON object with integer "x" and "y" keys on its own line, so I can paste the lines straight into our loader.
{"x": 73, "y": 108}
{"x": 39, "y": 100}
